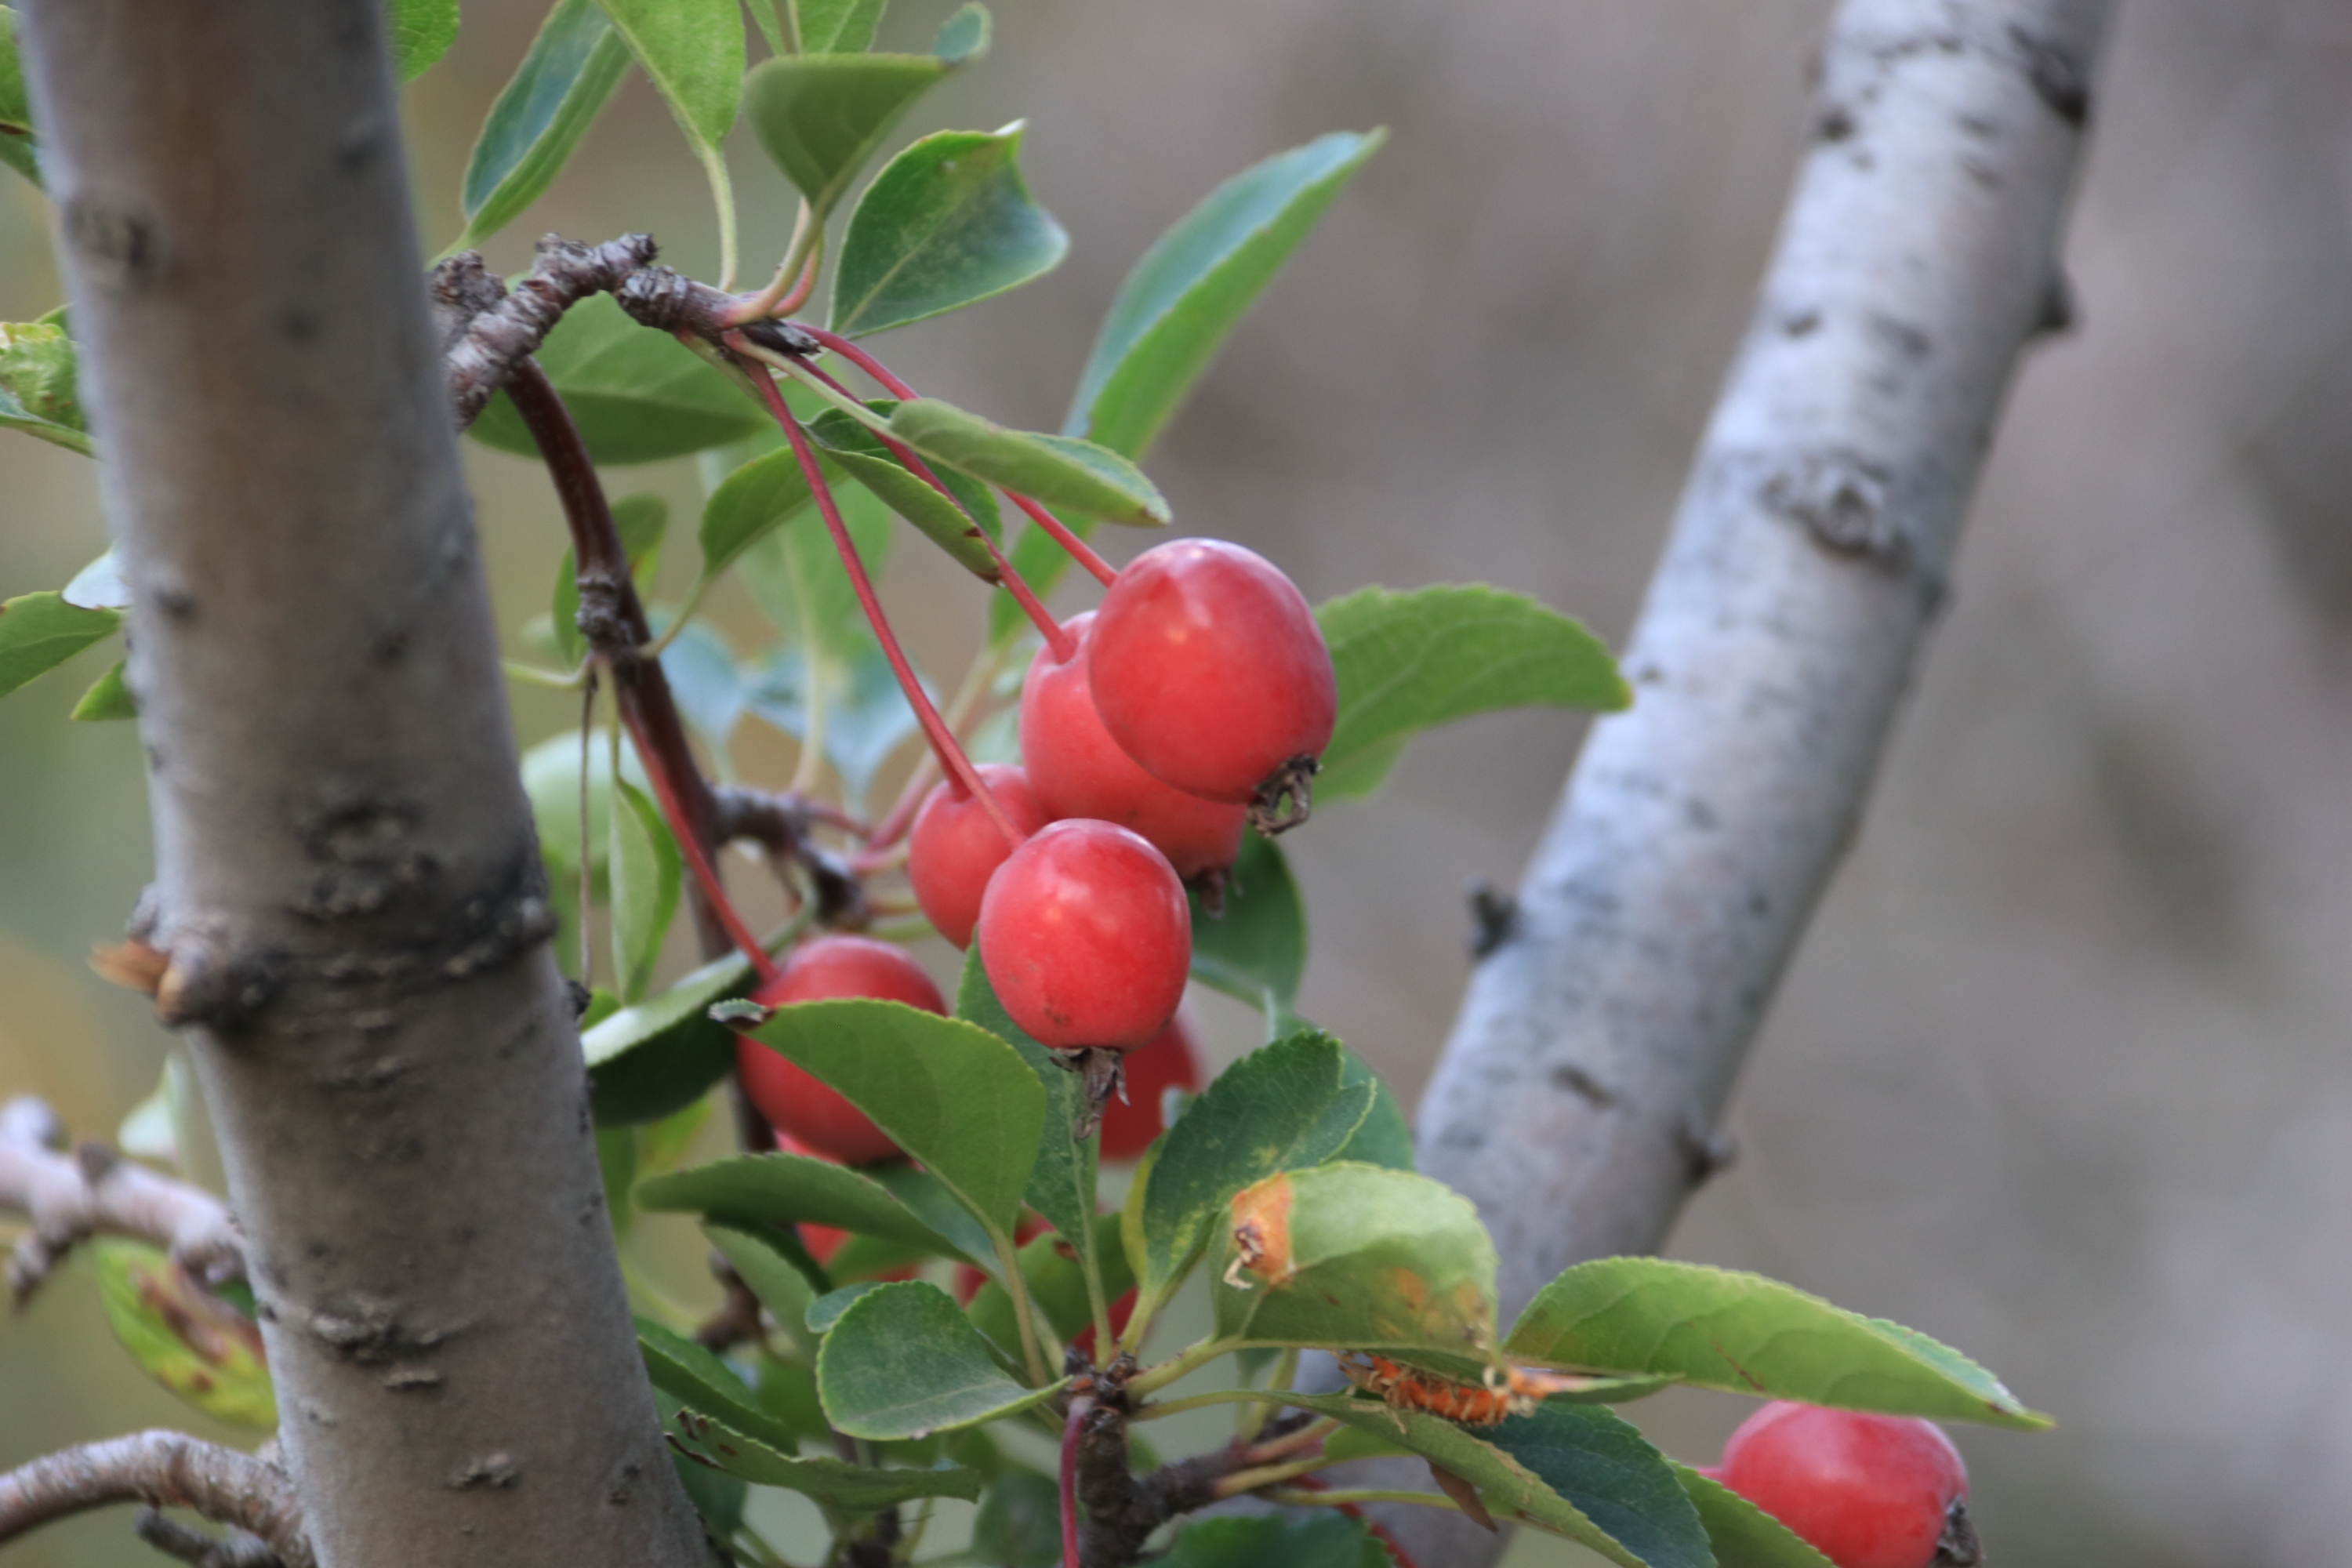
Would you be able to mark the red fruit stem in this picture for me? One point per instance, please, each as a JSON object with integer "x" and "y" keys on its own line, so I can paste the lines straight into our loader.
{"x": 1103, "y": 571}
{"x": 1072, "y": 1430}
{"x": 1397, "y": 1553}
{"x": 1039, "y": 616}
{"x": 1079, "y": 550}
{"x": 706, "y": 876}
{"x": 943, "y": 741}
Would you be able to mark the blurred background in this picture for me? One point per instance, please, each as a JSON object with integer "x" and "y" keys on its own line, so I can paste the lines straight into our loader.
{"x": 2060, "y": 1075}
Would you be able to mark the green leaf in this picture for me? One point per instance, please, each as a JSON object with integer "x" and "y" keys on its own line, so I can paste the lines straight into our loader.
{"x": 772, "y": 1277}
{"x": 1511, "y": 1492}
{"x": 1743, "y": 1535}
{"x": 638, "y": 395}
{"x": 798, "y": 580}
{"x": 1019, "y": 1523}
{"x": 552, "y": 780}
{"x": 956, "y": 1098}
{"x": 108, "y": 698}
{"x": 1197, "y": 282}
{"x": 18, "y": 148}
{"x": 693, "y": 49}
{"x": 837, "y": 26}
{"x": 1259, "y": 943}
{"x": 182, "y": 1336}
{"x": 859, "y": 453}
{"x": 1407, "y": 661}
{"x": 41, "y": 631}
{"x": 1385, "y": 1138}
{"x": 554, "y": 96}
{"x": 716, "y": 1496}
{"x": 904, "y": 1362}
{"x": 419, "y": 32}
{"x": 826, "y": 1310}
{"x": 714, "y": 1442}
{"x": 1350, "y": 1257}
{"x": 1716, "y": 1328}
{"x": 704, "y": 1383}
{"x": 946, "y": 224}
{"x": 1055, "y": 469}
{"x": 647, "y": 877}
{"x": 39, "y": 382}
{"x": 1061, "y": 1185}
{"x": 1330, "y": 1540}
{"x": 749, "y": 503}
{"x": 640, "y": 520}
{"x": 1281, "y": 1107}
{"x": 821, "y": 116}
{"x": 1601, "y": 1464}
{"x": 754, "y": 1190}
{"x": 647, "y": 1061}
{"x": 1058, "y": 1286}
{"x": 962, "y": 37}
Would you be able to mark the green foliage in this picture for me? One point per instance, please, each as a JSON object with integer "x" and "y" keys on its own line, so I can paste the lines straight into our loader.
{"x": 109, "y": 696}
{"x": 1255, "y": 950}
{"x": 1357, "y": 1256}
{"x": 1613, "y": 1476}
{"x": 1019, "y": 1524}
{"x": 775, "y": 1277}
{"x": 748, "y": 504}
{"x": 954, "y": 522}
{"x": 1283, "y": 1108}
{"x": 18, "y": 147}
{"x": 38, "y": 381}
{"x": 1407, "y": 662}
{"x": 837, "y": 26}
{"x": 1055, "y": 469}
{"x": 821, "y": 116}
{"x": 956, "y": 1098}
{"x": 182, "y": 1336}
{"x": 963, "y": 36}
{"x": 41, "y": 631}
{"x": 1196, "y": 282}
{"x": 904, "y": 1362}
{"x": 554, "y": 96}
{"x": 1327, "y": 1541}
{"x": 647, "y": 1061}
{"x": 760, "y": 1191}
{"x": 637, "y": 397}
{"x": 1743, "y": 1535}
{"x": 693, "y": 50}
{"x": 1716, "y": 1328}
{"x": 946, "y": 224}
{"x": 420, "y": 32}
{"x": 646, "y": 875}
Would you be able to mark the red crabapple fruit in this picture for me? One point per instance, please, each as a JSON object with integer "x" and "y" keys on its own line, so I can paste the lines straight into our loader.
{"x": 796, "y": 1102}
{"x": 1087, "y": 937}
{"x": 1209, "y": 670}
{"x": 1868, "y": 1492}
{"x": 956, "y": 845}
{"x": 1077, "y": 770}
{"x": 1170, "y": 1061}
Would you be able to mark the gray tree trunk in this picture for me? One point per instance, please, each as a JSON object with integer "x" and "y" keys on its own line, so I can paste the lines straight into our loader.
{"x": 1578, "y": 1099}
{"x": 347, "y": 884}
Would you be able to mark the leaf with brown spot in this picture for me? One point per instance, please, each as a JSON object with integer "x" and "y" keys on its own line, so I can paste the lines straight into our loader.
{"x": 1465, "y": 1496}
{"x": 185, "y": 1338}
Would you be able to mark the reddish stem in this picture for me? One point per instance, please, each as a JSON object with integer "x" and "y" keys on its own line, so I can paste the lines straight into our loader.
{"x": 943, "y": 741}
{"x": 1072, "y": 1430}
{"x": 1014, "y": 584}
{"x": 1055, "y": 528}
{"x": 1103, "y": 571}
{"x": 706, "y": 876}
{"x": 1397, "y": 1553}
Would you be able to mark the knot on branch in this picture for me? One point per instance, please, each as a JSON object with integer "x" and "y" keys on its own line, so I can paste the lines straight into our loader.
{"x": 489, "y": 328}
{"x": 780, "y": 825}
{"x": 72, "y": 1194}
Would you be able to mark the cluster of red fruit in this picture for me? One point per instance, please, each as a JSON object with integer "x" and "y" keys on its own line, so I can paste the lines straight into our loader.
{"x": 1866, "y": 1491}
{"x": 1196, "y": 701}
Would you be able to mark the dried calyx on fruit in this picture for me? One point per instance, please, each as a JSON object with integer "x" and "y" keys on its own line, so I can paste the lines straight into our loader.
{"x": 1208, "y": 669}
{"x": 1867, "y": 1491}
{"x": 794, "y": 1101}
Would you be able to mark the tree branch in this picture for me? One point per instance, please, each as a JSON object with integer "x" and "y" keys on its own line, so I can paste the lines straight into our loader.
{"x": 489, "y": 331}
{"x": 1577, "y": 1101}
{"x": 90, "y": 1190}
{"x": 348, "y": 893}
{"x": 163, "y": 1470}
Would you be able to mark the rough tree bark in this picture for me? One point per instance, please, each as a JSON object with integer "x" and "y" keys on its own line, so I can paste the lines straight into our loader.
{"x": 1578, "y": 1099}
{"x": 349, "y": 892}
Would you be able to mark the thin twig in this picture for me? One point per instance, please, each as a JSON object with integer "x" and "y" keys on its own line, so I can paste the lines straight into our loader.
{"x": 162, "y": 1469}
{"x": 70, "y": 1197}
